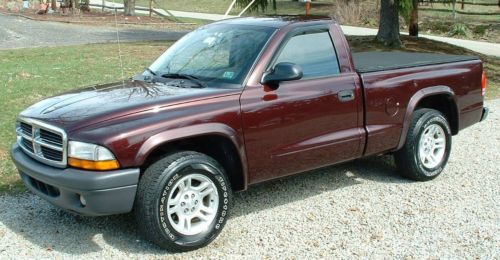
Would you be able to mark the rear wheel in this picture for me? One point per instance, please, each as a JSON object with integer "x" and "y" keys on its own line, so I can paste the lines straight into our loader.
{"x": 182, "y": 201}
{"x": 427, "y": 147}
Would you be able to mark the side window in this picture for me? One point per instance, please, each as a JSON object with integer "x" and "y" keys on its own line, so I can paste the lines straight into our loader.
{"x": 313, "y": 52}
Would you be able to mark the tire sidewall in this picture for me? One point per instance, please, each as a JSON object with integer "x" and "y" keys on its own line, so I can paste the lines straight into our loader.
{"x": 169, "y": 178}
{"x": 426, "y": 120}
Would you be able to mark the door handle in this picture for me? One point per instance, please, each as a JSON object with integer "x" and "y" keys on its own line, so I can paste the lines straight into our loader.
{"x": 346, "y": 95}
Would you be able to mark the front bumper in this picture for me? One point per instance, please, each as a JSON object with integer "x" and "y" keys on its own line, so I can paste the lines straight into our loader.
{"x": 105, "y": 193}
{"x": 484, "y": 115}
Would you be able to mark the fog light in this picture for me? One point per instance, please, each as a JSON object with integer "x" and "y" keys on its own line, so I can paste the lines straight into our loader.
{"x": 83, "y": 201}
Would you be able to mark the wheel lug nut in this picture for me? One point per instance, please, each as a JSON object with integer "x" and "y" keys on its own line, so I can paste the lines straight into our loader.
{"x": 183, "y": 204}
{"x": 186, "y": 210}
{"x": 192, "y": 209}
{"x": 195, "y": 202}
{"x": 192, "y": 195}
{"x": 186, "y": 196}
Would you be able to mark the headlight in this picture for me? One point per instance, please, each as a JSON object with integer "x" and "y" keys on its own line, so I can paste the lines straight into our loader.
{"x": 91, "y": 157}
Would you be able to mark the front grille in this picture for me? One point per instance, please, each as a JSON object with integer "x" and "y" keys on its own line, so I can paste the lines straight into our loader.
{"x": 52, "y": 154}
{"x": 27, "y": 144}
{"x": 50, "y": 137}
{"x": 27, "y": 129}
{"x": 43, "y": 142}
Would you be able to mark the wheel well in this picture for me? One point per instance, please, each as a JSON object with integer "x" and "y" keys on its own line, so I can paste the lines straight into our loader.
{"x": 218, "y": 147}
{"x": 445, "y": 104}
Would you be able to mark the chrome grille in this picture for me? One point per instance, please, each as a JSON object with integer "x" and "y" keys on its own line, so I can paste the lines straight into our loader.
{"x": 51, "y": 138}
{"x": 43, "y": 142}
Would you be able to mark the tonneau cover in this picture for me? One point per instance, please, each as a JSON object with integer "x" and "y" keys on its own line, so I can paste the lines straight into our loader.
{"x": 379, "y": 60}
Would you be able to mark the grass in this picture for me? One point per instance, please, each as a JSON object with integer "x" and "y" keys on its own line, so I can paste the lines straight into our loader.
{"x": 220, "y": 6}
{"x": 482, "y": 27}
{"x": 30, "y": 75}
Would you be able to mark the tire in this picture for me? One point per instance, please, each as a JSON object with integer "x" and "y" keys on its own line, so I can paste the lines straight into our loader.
{"x": 424, "y": 156}
{"x": 182, "y": 179}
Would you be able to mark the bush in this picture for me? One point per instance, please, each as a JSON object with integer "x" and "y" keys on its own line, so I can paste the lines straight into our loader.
{"x": 459, "y": 29}
{"x": 480, "y": 29}
{"x": 356, "y": 12}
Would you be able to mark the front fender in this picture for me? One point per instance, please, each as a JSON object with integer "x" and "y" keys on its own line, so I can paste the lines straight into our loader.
{"x": 165, "y": 137}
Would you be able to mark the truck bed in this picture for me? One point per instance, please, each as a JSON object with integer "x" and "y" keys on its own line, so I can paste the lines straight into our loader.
{"x": 378, "y": 61}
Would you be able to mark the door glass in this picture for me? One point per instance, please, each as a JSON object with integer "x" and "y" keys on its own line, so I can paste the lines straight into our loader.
{"x": 313, "y": 52}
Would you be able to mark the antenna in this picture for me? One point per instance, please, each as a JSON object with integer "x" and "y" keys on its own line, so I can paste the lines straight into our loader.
{"x": 118, "y": 42}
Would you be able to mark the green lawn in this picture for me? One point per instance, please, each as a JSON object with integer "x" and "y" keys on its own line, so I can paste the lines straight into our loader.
{"x": 220, "y": 6}
{"x": 364, "y": 13}
{"x": 30, "y": 75}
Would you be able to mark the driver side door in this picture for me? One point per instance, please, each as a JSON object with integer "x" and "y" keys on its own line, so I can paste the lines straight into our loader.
{"x": 302, "y": 124}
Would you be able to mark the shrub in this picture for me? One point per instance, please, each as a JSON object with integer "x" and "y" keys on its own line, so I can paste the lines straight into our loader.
{"x": 459, "y": 29}
{"x": 355, "y": 12}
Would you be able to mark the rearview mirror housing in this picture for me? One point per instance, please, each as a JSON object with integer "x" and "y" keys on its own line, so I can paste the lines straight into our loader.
{"x": 283, "y": 71}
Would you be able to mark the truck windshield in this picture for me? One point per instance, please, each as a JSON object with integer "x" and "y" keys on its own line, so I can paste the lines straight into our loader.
{"x": 216, "y": 53}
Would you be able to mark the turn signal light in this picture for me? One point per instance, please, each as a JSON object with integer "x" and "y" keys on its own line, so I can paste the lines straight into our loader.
{"x": 94, "y": 165}
{"x": 484, "y": 83}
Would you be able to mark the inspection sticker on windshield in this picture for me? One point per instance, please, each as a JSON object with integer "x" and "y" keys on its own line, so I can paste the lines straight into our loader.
{"x": 228, "y": 75}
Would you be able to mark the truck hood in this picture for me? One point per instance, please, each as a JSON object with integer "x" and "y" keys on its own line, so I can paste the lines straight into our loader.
{"x": 91, "y": 105}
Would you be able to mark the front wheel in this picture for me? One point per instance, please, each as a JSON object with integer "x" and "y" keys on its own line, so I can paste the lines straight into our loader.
{"x": 427, "y": 147}
{"x": 182, "y": 201}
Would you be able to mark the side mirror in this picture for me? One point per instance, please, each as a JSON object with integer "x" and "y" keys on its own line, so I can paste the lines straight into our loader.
{"x": 283, "y": 71}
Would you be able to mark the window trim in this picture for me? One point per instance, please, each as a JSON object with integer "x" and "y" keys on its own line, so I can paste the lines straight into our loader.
{"x": 303, "y": 31}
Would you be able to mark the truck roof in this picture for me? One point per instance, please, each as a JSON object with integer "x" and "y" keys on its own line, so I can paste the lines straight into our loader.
{"x": 275, "y": 21}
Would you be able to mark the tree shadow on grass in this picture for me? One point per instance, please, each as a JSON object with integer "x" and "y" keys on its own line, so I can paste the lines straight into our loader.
{"x": 53, "y": 229}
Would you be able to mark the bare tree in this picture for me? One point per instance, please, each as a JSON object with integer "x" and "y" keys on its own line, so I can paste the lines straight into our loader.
{"x": 75, "y": 6}
{"x": 388, "y": 30}
{"x": 413, "y": 27}
{"x": 129, "y": 7}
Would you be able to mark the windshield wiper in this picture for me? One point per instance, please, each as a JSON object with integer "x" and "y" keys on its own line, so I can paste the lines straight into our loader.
{"x": 151, "y": 71}
{"x": 191, "y": 78}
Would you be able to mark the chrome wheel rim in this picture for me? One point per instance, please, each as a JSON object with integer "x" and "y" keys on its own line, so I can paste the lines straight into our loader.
{"x": 192, "y": 204}
{"x": 432, "y": 146}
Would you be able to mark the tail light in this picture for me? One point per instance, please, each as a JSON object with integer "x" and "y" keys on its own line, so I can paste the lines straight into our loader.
{"x": 484, "y": 83}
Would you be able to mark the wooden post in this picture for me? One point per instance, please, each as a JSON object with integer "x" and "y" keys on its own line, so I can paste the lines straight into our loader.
{"x": 463, "y": 4}
{"x": 454, "y": 2}
{"x": 150, "y": 8}
{"x": 308, "y": 7}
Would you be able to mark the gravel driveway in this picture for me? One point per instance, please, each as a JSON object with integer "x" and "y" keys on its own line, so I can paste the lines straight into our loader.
{"x": 18, "y": 32}
{"x": 359, "y": 209}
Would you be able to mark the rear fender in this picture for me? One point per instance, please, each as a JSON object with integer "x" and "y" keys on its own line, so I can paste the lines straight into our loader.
{"x": 413, "y": 103}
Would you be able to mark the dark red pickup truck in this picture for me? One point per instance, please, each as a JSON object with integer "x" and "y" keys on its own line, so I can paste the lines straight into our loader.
{"x": 236, "y": 103}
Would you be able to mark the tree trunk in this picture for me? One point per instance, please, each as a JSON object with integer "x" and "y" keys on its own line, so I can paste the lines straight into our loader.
{"x": 388, "y": 29}
{"x": 75, "y": 6}
{"x": 53, "y": 5}
{"x": 454, "y": 9}
{"x": 413, "y": 29}
{"x": 129, "y": 7}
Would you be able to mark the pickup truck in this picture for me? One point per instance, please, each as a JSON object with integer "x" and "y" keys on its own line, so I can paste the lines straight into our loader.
{"x": 235, "y": 103}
